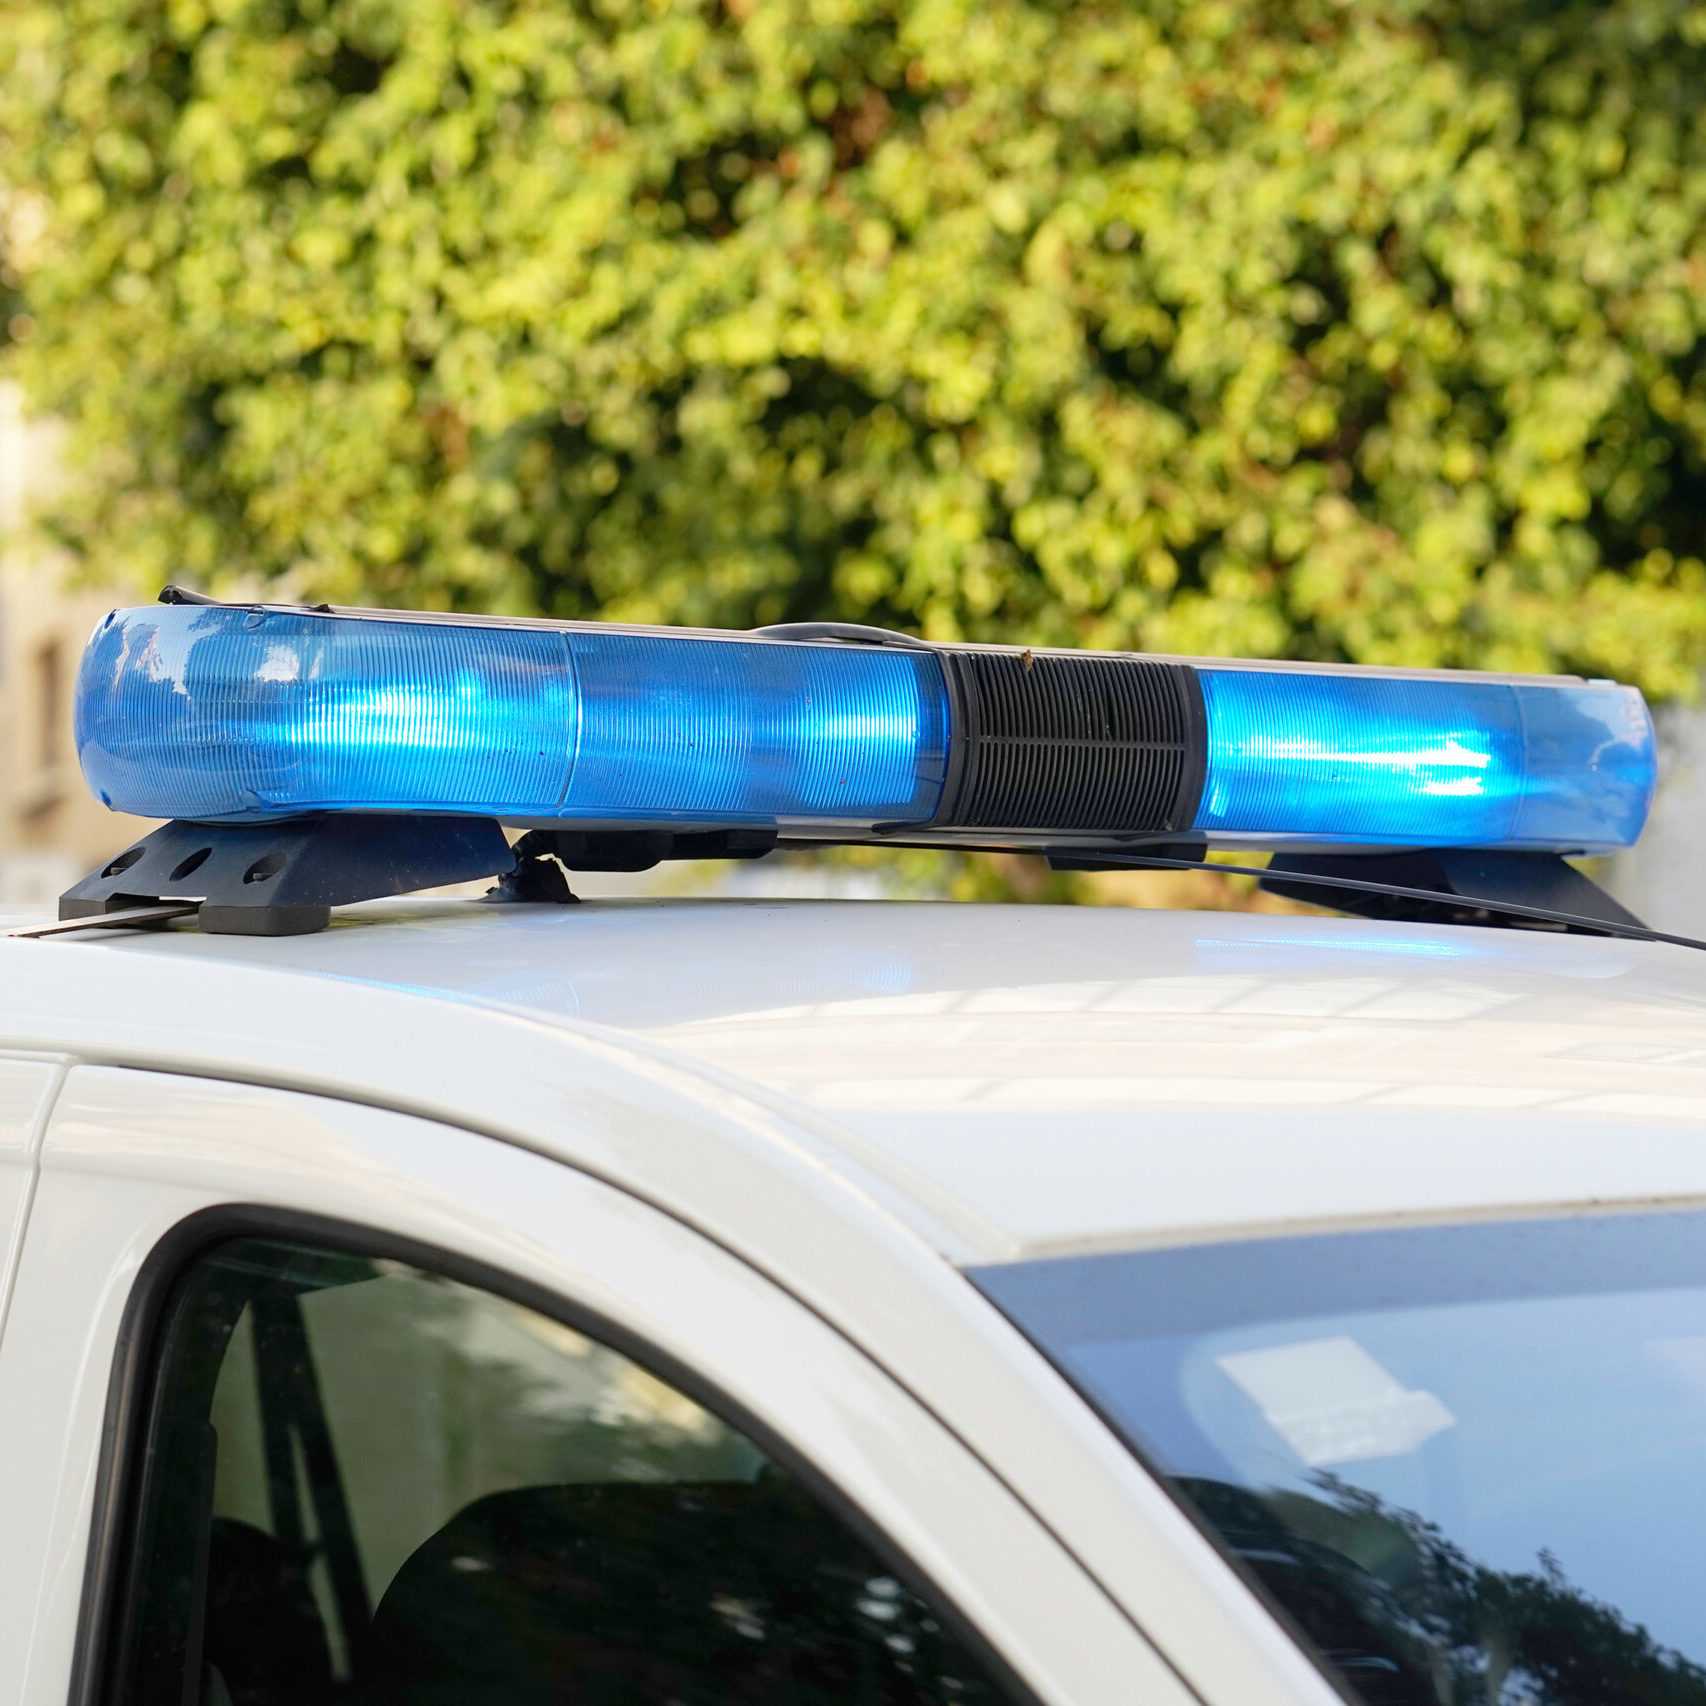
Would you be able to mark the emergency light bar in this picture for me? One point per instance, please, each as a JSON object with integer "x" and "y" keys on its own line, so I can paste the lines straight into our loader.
{"x": 231, "y": 714}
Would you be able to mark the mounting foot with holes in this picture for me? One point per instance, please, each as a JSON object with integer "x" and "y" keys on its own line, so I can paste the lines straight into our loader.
{"x": 283, "y": 879}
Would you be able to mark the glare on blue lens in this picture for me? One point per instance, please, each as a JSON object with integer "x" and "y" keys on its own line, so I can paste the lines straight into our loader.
{"x": 220, "y": 715}
{"x": 1425, "y": 760}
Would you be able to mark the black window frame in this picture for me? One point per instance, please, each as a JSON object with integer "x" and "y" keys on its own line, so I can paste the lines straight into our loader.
{"x": 107, "y": 1596}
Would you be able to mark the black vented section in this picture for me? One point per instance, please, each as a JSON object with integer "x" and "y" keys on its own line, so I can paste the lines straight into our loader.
{"x": 1077, "y": 744}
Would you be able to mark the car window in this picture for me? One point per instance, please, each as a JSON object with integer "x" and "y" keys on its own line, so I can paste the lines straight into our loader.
{"x": 1468, "y": 1462}
{"x": 367, "y": 1483}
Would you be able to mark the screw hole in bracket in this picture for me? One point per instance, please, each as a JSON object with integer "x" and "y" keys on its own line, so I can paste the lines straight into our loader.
{"x": 193, "y": 862}
{"x": 124, "y": 861}
{"x": 265, "y": 868}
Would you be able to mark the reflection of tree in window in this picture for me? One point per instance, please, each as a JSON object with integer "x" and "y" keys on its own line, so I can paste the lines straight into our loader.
{"x": 414, "y": 1493}
{"x": 437, "y": 1393}
{"x": 1410, "y": 1620}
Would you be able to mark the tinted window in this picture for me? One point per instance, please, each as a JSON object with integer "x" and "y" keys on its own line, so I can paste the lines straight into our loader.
{"x": 366, "y": 1483}
{"x": 1469, "y": 1462}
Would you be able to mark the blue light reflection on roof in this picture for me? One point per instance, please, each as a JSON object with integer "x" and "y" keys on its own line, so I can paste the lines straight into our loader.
{"x": 1404, "y": 947}
{"x": 1548, "y": 953}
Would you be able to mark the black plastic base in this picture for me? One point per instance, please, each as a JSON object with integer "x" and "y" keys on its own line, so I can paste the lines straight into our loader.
{"x": 283, "y": 879}
{"x": 1470, "y": 882}
{"x": 1156, "y": 847}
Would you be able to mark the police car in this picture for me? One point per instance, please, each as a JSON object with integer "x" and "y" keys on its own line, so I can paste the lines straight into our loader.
{"x": 442, "y": 1303}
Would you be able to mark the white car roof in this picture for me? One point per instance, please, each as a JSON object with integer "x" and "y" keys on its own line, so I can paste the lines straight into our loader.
{"x": 1050, "y": 1079}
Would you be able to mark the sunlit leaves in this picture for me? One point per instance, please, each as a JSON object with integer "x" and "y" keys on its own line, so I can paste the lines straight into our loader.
{"x": 1364, "y": 331}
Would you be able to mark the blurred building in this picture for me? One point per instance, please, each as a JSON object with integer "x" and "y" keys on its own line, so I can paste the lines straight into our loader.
{"x": 52, "y": 830}
{"x": 1659, "y": 880}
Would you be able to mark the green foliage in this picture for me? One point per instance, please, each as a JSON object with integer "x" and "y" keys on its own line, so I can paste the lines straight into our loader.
{"x": 1362, "y": 331}
{"x": 1410, "y": 1619}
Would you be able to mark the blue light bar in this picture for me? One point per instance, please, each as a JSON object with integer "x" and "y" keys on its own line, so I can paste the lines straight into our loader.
{"x": 230, "y": 714}
{"x": 1424, "y": 760}
{"x": 223, "y": 714}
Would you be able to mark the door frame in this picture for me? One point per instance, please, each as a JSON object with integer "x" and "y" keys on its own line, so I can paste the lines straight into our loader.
{"x": 142, "y": 1169}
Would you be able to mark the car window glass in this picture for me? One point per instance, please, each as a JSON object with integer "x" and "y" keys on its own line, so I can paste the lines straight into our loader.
{"x": 368, "y": 1483}
{"x": 1467, "y": 1462}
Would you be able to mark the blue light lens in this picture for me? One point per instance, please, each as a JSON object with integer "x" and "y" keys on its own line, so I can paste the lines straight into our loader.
{"x": 220, "y": 715}
{"x": 223, "y": 714}
{"x": 1425, "y": 761}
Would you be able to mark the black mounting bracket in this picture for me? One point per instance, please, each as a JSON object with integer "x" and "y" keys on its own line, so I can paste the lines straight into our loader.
{"x": 1470, "y": 883}
{"x": 1182, "y": 850}
{"x": 543, "y": 855}
{"x": 1502, "y": 887}
{"x": 283, "y": 879}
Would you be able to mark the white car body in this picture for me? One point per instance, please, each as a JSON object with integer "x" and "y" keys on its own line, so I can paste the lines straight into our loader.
{"x": 763, "y": 1137}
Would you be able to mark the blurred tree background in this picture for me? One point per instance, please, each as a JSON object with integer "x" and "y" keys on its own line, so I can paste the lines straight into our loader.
{"x": 1365, "y": 331}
